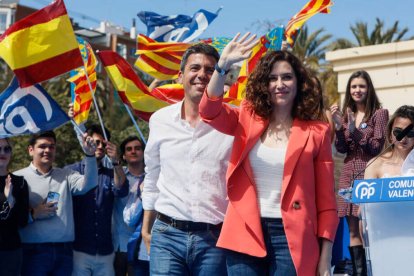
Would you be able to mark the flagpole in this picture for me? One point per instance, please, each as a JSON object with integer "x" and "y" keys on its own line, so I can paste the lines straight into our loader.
{"x": 95, "y": 103}
{"x": 135, "y": 123}
{"x": 75, "y": 125}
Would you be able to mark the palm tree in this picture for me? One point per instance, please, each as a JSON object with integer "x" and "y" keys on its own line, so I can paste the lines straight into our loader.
{"x": 379, "y": 35}
{"x": 311, "y": 48}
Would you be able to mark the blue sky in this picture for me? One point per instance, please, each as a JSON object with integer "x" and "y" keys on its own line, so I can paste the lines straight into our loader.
{"x": 243, "y": 15}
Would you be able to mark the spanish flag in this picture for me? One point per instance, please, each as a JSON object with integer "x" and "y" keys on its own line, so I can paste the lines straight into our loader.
{"x": 41, "y": 46}
{"x": 131, "y": 89}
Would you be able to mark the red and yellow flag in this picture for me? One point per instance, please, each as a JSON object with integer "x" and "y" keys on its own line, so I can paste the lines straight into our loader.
{"x": 82, "y": 98}
{"x": 41, "y": 46}
{"x": 160, "y": 60}
{"x": 170, "y": 93}
{"x": 131, "y": 89}
{"x": 310, "y": 9}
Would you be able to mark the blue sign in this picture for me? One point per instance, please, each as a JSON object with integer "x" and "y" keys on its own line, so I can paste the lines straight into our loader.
{"x": 383, "y": 190}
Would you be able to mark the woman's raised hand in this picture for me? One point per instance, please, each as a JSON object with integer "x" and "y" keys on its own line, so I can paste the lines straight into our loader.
{"x": 238, "y": 49}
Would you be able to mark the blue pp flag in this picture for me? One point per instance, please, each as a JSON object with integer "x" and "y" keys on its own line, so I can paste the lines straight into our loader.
{"x": 28, "y": 110}
{"x": 177, "y": 28}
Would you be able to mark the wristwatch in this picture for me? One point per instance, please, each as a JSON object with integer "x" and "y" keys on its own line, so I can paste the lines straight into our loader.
{"x": 220, "y": 70}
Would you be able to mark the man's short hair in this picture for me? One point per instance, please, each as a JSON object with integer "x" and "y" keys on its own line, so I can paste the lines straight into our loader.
{"x": 199, "y": 48}
{"x": 44, "y": 134}
{"x": 130, "y": 139}
{"x": 97, "y": 129}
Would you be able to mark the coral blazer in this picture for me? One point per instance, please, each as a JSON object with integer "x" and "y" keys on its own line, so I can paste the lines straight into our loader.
{"x": 308, "y": 202}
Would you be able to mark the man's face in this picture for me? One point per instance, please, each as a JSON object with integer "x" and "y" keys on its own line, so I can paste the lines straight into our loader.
{"x": 100, "y": 146}
{"x": 196, "y": 75}
{"x": 43, "y": 152}
{"x": 134, "y": 153}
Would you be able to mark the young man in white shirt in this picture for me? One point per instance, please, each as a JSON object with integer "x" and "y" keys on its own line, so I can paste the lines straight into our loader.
{"x": 184, "y": 187}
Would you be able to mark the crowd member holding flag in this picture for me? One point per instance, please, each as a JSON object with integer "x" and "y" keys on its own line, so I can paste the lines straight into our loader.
{"x": 93, "y": 249}
{"x": 47, "y": 240}
{"x": 14, "y": 203}
{"x": 281, "y": 218}
{"x": 184, "y": 187}
{"x": 359, "y": 130}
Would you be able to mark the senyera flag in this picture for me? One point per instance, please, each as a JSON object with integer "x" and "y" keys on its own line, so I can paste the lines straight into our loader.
{"x": 41, "y": 45}
{"x": 131, "y": 89}
{"x": 160, "y": 60}
{"x": 28, "y": 110}
{"x": 296, "y": 22}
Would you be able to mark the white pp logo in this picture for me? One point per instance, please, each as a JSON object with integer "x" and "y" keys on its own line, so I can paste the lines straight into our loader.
{"x": 365, "y": 190}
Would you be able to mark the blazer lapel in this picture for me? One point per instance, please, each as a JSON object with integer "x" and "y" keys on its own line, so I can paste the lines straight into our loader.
{"x": 256, "y": 128}
{"x": 297, "y": 141}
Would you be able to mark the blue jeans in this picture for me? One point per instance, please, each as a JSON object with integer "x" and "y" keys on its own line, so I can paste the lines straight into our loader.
{"x": 10, "y": 262}
{"x": 278, "y": 261}
{"x": 176, "y": 252}
{"x": 85, "y": 264}
{"x": 44, "y": 259}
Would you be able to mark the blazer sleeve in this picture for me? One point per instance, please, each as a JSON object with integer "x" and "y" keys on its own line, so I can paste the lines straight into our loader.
{"x": 219, "y": 115}
{"x": 324, "y": 184}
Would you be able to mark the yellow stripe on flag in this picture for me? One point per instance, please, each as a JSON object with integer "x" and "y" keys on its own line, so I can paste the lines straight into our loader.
{"x": 39, "y": 42}
{"x": 138, "y": 99}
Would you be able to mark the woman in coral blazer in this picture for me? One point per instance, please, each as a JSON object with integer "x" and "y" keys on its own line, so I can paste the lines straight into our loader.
{"x": 276, "y": 224}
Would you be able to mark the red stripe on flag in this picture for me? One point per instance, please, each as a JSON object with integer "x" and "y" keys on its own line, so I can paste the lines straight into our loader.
{"x": 48, "y": 68}
{"x": 170, "y": 57}
{"x": 143, "y": 115}
{"x": 158, "y": 66}
{"x": 44, "y": 15}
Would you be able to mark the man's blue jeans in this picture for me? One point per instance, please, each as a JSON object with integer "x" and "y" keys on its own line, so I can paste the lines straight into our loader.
{"x": 176, "y": 252}
{"x": 278, "y": 261}
{"x": 43, "y": 259}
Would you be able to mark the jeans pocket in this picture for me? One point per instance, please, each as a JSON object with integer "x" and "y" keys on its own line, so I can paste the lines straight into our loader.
{"x": 160, "y": 227}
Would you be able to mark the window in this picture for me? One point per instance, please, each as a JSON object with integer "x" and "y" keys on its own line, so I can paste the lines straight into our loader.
{"x": 121, "y": 49}
{"x": 3, "y": 21}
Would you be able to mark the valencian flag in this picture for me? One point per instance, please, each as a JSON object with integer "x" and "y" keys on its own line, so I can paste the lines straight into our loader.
{"x": 80, "y": 90}
{"x": 296, "y": 22}
{"x": 131, "y": 89}
{"x": 28, "y": 110}
{"x": 41, "y": 45}
{"x": 161, "y": 60}
{"x": 176, "y": 27}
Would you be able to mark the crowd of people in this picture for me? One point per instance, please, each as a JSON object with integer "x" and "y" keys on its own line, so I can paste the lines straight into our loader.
{"x": 224, "y": 190}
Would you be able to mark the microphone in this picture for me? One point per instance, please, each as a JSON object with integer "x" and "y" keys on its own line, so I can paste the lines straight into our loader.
{"x": 404, "y": 132}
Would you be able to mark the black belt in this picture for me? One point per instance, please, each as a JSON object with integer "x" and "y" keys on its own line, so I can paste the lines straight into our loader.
{"x": 189, "y": 226}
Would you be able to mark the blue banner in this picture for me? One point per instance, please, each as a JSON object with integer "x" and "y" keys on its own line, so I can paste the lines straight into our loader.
{"x": 177, "y": 28}
{"x": 383, "y": 190}
{"x": 28, "y": 110}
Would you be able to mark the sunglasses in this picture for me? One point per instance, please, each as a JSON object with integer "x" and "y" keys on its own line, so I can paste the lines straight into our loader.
{"x": 6, "y": 149}
{"x": 397, "y": 131}
{"x": 136, "y": 148}
{"x": 99, "y": 142}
